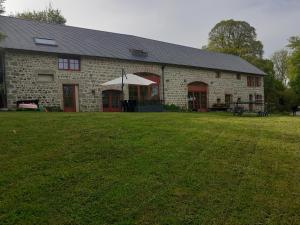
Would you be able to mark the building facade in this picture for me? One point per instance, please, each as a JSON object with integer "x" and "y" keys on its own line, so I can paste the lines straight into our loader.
{"x": 72, "y": 82}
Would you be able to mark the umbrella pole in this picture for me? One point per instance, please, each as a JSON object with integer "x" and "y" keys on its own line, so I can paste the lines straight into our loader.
{"x": 123, "y": 90}
{"x": 123, "y": 84}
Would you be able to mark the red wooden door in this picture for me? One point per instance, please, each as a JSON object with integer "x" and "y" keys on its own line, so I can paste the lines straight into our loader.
{"x": 69, "y": 98}
{"x": 250, "y": 103}
{"x": 111, "y": 101}
{"x": 197, "y": 97}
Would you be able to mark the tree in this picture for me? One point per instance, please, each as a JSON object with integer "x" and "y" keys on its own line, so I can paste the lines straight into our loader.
{"x": 294, "y": 59}
{"x": 49, "y": 15}
{"x": 294, "y": 64}
{"x": 2, "y": 8}
{"x": 280, "y": 61}
{"x": 235, "y": 37}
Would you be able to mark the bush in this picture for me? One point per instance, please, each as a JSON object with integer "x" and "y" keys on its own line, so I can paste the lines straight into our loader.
{"x": 287, "y": 99}
{"x": 54, "y": 109}
{"x": 174, "y": 108}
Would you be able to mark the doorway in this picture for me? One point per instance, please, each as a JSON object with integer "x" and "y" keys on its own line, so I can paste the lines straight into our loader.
{"x": 69, "y": 97}
{"x": 250, "y": 103}
{"x": 111, "y": 101}
{"x": 228, "y": 100}
{"x": 197, "y": 97}
{"x": 146, "y": 93}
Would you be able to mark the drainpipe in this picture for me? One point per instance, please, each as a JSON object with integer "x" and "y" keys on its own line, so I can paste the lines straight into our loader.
{"x": 163, "y": 82}
{"x": 123, "y": 71}
{"x": 2, "y": 55}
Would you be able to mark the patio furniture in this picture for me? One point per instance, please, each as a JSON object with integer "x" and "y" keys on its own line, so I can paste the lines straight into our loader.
{"x": 27, "y": 104}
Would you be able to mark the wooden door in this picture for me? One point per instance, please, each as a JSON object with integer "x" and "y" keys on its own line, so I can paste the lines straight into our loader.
{"x": 228, "y": 100}
{"x": 69, "y": 97}
{"x": 203, "y": 102}
{"x": 250, "y": 103}
{"x": 197, "y": 97}
{"x": 111, "y": 101}
{"x": 197, "y": 101}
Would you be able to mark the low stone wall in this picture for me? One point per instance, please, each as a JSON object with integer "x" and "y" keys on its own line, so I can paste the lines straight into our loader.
{"x": 23, "y": 69}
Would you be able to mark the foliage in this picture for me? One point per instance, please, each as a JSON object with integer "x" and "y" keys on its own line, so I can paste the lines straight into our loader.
{"x": 239, "y": 38}
{"x": 295, "y": 84}
{"x": 49, "y": 15}
{"x": 53, "y": 109}
{"x": 294, "y": 63}
{"x": 172, "y": 108}
{"x": 148, "y": 168}
{"x": 2, "y": 8}
{"x": 280, "y": 61}
{"x": 2, "y": 36}
{"x": 235, "y": 37}
{"x": 287, "y": 99}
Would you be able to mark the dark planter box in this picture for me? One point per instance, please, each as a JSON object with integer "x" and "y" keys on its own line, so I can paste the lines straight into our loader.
{"x": 149, "y": 108}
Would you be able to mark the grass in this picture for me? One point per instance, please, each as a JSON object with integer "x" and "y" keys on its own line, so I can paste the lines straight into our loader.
{"x": 149, "y": 168}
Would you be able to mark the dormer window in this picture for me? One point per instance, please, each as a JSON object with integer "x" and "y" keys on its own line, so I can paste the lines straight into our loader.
{"x": 138, "y": 53}
{"x": 45, "y": 41}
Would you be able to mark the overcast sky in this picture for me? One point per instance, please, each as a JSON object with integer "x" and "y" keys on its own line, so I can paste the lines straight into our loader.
{"x": 185, "y": 22}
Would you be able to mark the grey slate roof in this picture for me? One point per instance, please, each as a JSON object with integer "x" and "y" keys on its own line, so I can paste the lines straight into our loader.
{"x": 79, "y": 41}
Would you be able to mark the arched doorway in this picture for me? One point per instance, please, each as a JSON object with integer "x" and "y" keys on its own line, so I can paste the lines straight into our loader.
{"x": 145, "y": 93}
{"x": 197, "y": 96}
{"x": 111, "y": 100}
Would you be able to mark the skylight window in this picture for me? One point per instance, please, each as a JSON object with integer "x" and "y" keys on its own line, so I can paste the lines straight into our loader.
{"x": 138, "y": 52}
{"x": 45, "y": 41}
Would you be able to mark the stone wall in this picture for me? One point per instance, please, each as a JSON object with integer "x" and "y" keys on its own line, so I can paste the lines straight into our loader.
{"x": 23, "y": 68}
{"x": 177, "y": 80}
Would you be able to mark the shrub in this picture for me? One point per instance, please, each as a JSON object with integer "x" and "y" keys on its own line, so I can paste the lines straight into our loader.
{"x": 174, "y": 108}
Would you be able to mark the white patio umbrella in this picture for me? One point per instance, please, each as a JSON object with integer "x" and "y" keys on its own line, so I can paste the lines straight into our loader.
{"x": 129, "y": 79}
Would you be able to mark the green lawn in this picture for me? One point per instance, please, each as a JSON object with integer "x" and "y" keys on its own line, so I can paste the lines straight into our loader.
{"x": 149, "y": 168}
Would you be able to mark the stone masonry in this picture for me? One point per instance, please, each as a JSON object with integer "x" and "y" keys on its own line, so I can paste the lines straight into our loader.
{"x": 23, "y": 68}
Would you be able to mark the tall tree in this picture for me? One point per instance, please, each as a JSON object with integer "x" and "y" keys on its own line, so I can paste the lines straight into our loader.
{"x": 2, "y": 8}
{"x": 294, "y": 63}
{"x": 280, "y": 61}
{"x": 235, "y": 37}
{"x": 49, "y": 15}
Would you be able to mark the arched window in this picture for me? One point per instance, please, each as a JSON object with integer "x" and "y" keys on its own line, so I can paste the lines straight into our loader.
{"x": 145, "y": 93}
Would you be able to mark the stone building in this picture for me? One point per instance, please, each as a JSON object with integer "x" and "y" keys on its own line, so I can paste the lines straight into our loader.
{"x": 64, "y": 67}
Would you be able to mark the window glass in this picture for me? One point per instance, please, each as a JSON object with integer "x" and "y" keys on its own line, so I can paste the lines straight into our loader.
{"x": 143, "y": 92}
{"x": 258, "y": 98}
{"x": 105, "y": 100}
{"x": 60, "y": 66}
{"x": 154, "y": 91}
{"x": 76, "y": 66}
{"x": 72, "y": 64}
{"x": 257, "y": 81}
{"x": 68, "y": 64}
{"x": 133, "y": 93}
{"x": 45, "y": 41}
